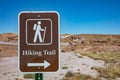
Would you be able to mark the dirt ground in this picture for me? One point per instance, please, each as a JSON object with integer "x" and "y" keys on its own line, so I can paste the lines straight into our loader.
{"x": 7, "y": 50}
{"x": 72, "y": 54}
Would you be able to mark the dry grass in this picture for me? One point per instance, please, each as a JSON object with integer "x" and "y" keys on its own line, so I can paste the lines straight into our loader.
{"x": 64, "y": 67}
{"x": 109, "y": 72}
{"x": 77, "y": 76}
{"x": 112, "y": 68}
{"x": 29, "y": 76}
{"x": 107, "y": 57}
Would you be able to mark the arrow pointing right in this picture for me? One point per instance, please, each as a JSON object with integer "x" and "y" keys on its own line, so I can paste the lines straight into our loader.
{"x": 45, "y": 64}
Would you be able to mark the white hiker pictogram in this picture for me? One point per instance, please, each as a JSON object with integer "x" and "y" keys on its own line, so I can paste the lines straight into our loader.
{"x": 38, "y": 30}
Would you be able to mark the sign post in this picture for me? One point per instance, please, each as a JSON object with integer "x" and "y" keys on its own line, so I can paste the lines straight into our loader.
{"x": 38, "y": 42}
{"x": 38, "y": 76}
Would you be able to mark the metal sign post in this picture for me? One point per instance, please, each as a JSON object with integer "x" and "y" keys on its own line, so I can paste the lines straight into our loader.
{"x": 38, "y": 76}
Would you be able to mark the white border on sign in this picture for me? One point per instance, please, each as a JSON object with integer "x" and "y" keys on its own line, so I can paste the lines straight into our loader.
{"x": 39, "y": 43}
{"x": 19, "y": 39}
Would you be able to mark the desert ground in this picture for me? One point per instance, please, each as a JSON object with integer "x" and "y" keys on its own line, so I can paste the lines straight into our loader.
{"x": 82, "y": 57}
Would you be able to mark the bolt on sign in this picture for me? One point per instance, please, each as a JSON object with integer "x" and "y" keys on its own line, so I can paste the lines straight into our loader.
{"x": 38, "y": 41}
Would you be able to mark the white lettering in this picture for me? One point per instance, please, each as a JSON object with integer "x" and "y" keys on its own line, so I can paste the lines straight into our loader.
{"x": 52, "y": 52}
{"x": 32, "y": 52}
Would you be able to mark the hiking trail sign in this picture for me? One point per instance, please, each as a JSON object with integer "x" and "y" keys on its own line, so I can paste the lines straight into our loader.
{"x": 38, "y": 41}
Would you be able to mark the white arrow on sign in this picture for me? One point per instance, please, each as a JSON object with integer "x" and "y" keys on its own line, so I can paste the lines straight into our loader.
{"x": 45, "y": 64}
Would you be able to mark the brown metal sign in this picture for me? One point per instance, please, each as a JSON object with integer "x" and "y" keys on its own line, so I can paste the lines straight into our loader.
{"x": 38, "y": 41}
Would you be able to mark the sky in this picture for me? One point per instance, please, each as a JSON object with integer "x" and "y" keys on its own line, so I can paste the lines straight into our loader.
{"x": 76, "y": 16}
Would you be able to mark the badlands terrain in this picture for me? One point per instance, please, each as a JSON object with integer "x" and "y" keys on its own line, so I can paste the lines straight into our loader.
{"x": 82, "y": 57}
